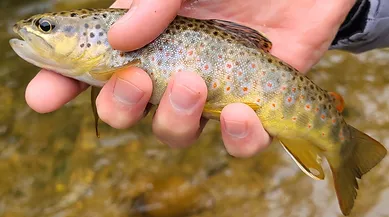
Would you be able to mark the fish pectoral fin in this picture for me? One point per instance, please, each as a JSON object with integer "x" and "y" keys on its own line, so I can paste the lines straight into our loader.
{"x": 306, "y": 155}
{"x": 246, "y": 35}
{"x": 94, "y": 93}
{"x": 213, "y": 111}
{"x": 105, "y": 74}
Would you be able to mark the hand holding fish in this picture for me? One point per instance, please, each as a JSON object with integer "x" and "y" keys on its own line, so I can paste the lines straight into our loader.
{"x": 301, "y": 32}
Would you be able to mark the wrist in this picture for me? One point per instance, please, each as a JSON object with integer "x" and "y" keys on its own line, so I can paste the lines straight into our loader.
{"x": 355, "y": 22}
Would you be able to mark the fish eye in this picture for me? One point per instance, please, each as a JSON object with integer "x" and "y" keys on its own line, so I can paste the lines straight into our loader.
{"x": 44, "y": 25}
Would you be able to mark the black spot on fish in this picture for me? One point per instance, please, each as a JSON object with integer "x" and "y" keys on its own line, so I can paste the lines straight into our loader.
{"x": 86, "y": 25}
{"x": 329, "y": 107}
{"x": 88, "y": 45}
{"x": 301, "y": 78}
{"x": 62, "y": 13}
{"x": 73, "y": 14}
{"x": 324, "y": 107}
{"x": 84, "y": 34}
{"x": 202, "y": 26}
{"x": 101, "y": 33}
{"x": 95, "y": 18}
{"x": 167, "y": 31}
{"x": 98, "y": 26}
{"x": 105, "y": 15}
{"x": 320, "y": 98}
{"x": 92, "y": 35}
{"x": 98, "y": 42}
{"x": 311, "y": 86}
{"x": 313, "y": 98}
{"x": 177, "y": 27}
{"x": 82, "y": 45}
{"x": 269, "y": 60}
{"x": 190, "y": 25}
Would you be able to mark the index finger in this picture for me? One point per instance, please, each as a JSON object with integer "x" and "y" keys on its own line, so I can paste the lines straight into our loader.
{"x": 144, "y": 21}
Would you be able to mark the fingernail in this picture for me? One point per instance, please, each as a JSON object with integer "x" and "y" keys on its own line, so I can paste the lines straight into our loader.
{"x": 183, "y": 95}
{"x": 126, "y": 92}
{"x": 236, "y": 129}
{"x": 124, "y": 20}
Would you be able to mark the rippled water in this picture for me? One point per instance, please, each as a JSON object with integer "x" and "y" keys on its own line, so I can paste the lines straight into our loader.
{"x": 52, "y": 165}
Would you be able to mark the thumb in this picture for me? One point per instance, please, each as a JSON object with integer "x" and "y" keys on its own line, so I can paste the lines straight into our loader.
{"x": 144, "y": 21}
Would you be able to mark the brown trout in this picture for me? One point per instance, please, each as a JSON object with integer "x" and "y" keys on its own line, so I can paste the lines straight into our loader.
{"x": 235, "y": 62}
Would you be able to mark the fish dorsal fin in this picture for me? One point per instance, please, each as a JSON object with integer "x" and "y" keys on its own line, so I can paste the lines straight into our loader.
{"x": 339, "y": 101}
{"x": 306, "y": 156}
{"x": 213, "y": 111}
{"x": 246, "y": 35}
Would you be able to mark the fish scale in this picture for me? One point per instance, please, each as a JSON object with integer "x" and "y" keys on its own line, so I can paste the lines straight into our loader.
{"x": 237, "y": 67}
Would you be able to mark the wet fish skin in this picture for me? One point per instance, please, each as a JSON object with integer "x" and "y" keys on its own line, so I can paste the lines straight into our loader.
{"x": 236, "y": 65}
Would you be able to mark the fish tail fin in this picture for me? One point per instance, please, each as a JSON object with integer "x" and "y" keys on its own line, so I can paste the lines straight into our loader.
{"x": 366, "y": 154}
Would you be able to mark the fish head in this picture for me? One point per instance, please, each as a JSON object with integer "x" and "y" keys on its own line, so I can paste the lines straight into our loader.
{"x": 60, "y": 42}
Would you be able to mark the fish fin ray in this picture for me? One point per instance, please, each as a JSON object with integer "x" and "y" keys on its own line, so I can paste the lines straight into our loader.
{"x": 366, "y": 154}
{"x": 213, "y": 111}
{"x": 105, "y": 74}
{"x": 306, "y": 156}
{"x": 94, "y": 93}
{"x": 246, "y": 35}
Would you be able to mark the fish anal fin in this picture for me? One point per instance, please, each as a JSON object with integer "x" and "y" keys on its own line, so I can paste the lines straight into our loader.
{"x": 104, "y": 75}
{"x": 246, "y": 35}
{"x": 306, "y": 155}
{"x": 366, "y": 154}
{"x": 94, "y": 93}
{"x": 213, "y": 111}
{"x": 339, "y": 101}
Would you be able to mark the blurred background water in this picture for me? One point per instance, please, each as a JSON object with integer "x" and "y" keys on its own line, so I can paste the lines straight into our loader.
{"x": 53, "y": 165}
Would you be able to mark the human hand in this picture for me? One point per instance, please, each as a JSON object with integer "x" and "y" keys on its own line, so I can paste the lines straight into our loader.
{"x": 301, "y": 32}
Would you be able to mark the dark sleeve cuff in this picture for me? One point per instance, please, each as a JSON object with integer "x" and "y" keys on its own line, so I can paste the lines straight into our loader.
{"x": 365, "y": 28}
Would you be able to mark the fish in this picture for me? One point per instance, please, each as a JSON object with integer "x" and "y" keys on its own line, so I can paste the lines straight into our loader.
{"x": 236, "y": 64}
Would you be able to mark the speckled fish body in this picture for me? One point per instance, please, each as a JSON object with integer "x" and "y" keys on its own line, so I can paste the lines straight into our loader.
{"x": 234, "y": 61}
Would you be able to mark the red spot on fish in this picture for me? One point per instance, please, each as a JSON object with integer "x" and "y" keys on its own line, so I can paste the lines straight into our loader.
{"x": 294, "y": 118}
{"x": 152, "y": 59}
{"x": 263, "y": 73}
{"x": 289, "y": 99}
{"x": 219, "y": 56}
{"x": 293, "y": 89}
{"x": 317, "y": 109}
{"x": 283, "y": 88}
{"x": 302, "y": 97}
{"x": 323, "y": 134}
{"x": 229, "y": 65}
{"x": 228, "y": 77}
{"x": 333, "y": 121}
{"x": 258, "y": 100}
{"x": 167, "y": 54}
{"x": 269, "y": 84}
{"x": 214, "y": 85}
{"x": 190, "y": 53}
{"x": 253, "y": 66}
{"x": 309, "y": 126}
{"x": 228, "y": 88}
{"x": 307, "y": 107}
{"x": 240, "y": 73}
{"x": 180, "y": 51}
{"x": 323, "y": 116}
{"x": 274, "y": 105}
{"x": 245, "y": 89}
{"x": 206, "y": 67}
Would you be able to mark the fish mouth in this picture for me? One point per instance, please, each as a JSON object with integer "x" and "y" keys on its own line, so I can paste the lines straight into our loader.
{"x": 29, "y": 54}
{"x": 25, "y": 49}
